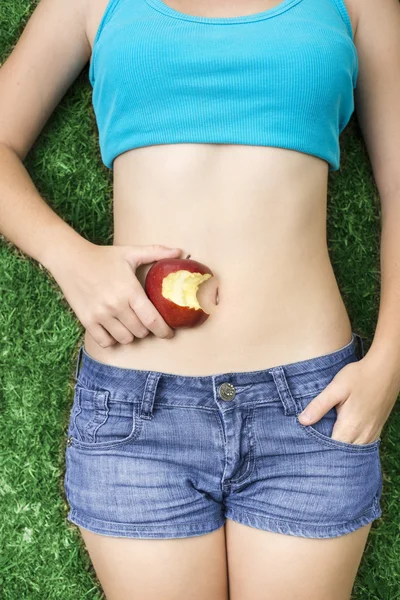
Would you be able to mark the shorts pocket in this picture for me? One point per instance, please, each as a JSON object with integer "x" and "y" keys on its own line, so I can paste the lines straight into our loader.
{"x": 321, "y": 431}
{"x": 99, "y": 421}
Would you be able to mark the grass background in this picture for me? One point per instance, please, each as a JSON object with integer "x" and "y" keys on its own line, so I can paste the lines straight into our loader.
{"x": 43, "y": 556}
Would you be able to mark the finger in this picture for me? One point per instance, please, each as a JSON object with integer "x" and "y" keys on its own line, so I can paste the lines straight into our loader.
{"x": 319, "y": 406}
{"x": 117, "y": 329}
{"x": 132, "y": 322}
{"x": 100, "y": 335}
{"x": 149, "y": 315}
{"x": 150, "y": 253}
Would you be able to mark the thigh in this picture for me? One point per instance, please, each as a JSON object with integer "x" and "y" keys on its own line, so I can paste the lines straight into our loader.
{"x": 193, "y": 568}
{"x": 264, "y": 565}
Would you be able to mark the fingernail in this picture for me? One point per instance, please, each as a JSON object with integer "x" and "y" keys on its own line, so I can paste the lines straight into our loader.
{"x": 304, "y": 416}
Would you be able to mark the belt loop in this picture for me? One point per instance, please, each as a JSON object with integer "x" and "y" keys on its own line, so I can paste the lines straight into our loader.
{"x": 78, "y": 362}
{"x": 149, "y": 394}
{"x": 289, "y": 403}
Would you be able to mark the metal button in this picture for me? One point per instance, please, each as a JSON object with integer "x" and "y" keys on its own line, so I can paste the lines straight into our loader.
{"x": 227, "y": 391}
{"x": 69, "y": 441}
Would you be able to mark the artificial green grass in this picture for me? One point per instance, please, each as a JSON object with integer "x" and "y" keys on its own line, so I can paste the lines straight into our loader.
{"x": 43, "y": 556}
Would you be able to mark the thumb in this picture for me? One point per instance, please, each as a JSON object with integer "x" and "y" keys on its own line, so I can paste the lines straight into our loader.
{"x": 319, "y": 406}
{"x": 146, "y": 254}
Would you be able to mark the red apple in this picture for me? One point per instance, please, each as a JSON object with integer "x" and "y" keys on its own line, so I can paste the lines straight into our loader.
{"x": 172, "y": 284}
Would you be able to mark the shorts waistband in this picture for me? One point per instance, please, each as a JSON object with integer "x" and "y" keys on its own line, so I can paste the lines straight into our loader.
{"x": 299, "y": 376}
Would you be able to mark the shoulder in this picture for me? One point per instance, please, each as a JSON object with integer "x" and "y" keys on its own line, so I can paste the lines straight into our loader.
{"x": 371, "y": 10}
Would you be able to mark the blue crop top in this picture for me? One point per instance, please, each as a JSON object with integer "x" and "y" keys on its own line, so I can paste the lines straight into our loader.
{"x": 282, "y": 77}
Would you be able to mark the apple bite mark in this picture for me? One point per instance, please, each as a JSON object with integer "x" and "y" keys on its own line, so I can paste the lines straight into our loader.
{"x": 172, "y": 285}
{"x": 181, "y": 287}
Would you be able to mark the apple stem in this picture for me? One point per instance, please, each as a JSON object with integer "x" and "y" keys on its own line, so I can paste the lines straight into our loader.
{"x": 188, "y": 256}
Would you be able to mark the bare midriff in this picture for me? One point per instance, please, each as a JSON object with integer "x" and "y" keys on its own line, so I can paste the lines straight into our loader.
{"x": 256, "y": 216}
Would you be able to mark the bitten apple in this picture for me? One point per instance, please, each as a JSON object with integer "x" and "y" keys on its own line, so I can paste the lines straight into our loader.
{"x": 172, "y": 284}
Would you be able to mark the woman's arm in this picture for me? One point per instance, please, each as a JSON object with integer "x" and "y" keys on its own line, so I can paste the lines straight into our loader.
{"x": 98, "y": 282}
{"x": 365, "y": 391}
{"x": 28, "y": 221}
{"x": 377, "y": 103}
{"x": 48, "y": 57}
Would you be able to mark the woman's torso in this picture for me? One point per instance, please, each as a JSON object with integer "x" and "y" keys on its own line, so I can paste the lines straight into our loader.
{"x": 256, "y": 215}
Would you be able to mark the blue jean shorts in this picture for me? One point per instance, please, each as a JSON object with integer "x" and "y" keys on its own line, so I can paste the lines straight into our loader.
{"x": 158, "y": 455}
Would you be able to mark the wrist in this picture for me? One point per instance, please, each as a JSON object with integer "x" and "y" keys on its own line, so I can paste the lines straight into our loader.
{"x": 63, "y": 246}
{"x": 386, "y": 360}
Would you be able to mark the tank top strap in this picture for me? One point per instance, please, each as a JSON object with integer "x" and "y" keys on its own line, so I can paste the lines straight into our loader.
{"x": 111, "y": 5}
{"x": 344, "y": 13}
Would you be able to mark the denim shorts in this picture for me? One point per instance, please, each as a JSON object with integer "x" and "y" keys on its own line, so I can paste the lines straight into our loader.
{"x": 158, "y": 455}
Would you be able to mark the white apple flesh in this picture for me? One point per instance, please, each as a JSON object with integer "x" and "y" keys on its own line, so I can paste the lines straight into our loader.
{"x": 181, "y": 287}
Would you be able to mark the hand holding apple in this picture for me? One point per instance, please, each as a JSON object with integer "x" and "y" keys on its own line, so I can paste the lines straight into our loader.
{"x": 172, "y": 284}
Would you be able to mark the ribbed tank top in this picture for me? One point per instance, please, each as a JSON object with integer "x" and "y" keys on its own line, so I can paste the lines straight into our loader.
{"x": 283, "y": 77}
